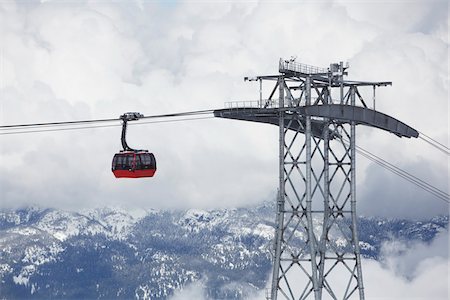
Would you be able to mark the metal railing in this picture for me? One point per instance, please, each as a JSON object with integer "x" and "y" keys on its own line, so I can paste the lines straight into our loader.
{"x": 291, "y": 65}
{"x": 264, "y": 103}
{"x": 267, "y": 103}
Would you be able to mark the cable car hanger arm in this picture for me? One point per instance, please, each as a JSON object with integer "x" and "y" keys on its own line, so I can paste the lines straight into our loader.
{"x": 129, "y": 116}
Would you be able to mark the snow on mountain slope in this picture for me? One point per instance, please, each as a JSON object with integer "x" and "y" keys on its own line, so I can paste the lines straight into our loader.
{"x": 110, "y": 252}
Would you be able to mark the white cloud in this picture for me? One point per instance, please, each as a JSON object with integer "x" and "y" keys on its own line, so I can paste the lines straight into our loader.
{"x": 399, "y": 16}
{"x": 88, "y": 60}
{"x": 412, "y": 270}
{"x": 410, "y": 259}
{"x": 432, "y": 283}
{"x": 406, "y": 270}
{"x": 193, "y": 291}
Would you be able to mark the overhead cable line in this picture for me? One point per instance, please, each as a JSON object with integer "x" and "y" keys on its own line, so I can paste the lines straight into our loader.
{"x": 31, "y": 130}
{"x": 51, "y": 124}
{"x": 69, "y": 123}
{"x": 441, "y": 195}
{"x": 434, "y": 140}
{"x": 441, "y": 147}
{"x": 46, "y": 129}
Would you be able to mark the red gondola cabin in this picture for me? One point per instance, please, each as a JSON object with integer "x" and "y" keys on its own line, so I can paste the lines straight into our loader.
{"x": 134, "y": 164}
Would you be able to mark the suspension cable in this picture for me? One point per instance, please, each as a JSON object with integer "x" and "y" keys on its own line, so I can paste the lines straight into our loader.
{"x": 16, "y": 129}
{"x": 52, "y": 124}
{"x": 68, "y": 123}
{"x": 30, "y": 130}
{"x": 439, "y": 146}
{"x": 434, "y": 140}
{"x": 441, "y": 195}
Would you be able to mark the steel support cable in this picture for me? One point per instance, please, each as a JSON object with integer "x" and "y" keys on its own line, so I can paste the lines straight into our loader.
{"x": 407, "y": 174}
{"x": 402, "y": 175}
{"x": 20, "y": 131}
{"x": 435, "y": 144}
{"x": 424, "y": 185}
{"x": 55, "y": 124}
{"x": 69, "y": 123}
{"x": 441, "y": 195}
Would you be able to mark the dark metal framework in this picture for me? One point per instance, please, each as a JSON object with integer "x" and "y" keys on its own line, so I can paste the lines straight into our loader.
{"x": 316, "y": 247}
{"x": 129, "y": 116}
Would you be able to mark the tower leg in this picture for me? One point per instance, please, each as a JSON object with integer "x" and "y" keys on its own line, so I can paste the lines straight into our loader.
{"x": 280, "y": 199}
{"x": 317, "y": 182}
{"x": 310, "y": 228}
{"x": 353, "y": 200}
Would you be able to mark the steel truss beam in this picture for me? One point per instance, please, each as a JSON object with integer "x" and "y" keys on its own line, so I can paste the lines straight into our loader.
{"x": 317, "y": 169}
{"x": 316, "y": 246}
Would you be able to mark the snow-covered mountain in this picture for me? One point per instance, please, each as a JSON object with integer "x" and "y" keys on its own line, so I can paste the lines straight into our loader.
{"x": 113, "y": 253}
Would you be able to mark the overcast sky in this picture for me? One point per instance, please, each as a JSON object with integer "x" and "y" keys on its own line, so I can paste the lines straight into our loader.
{"x": 95, "y": 59}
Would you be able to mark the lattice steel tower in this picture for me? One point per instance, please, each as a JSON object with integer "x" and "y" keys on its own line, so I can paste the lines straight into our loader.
{"x": 316, "y": 247}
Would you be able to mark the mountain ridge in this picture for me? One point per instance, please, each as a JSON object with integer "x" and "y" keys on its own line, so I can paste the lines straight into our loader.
{"x": 111, "y": 253}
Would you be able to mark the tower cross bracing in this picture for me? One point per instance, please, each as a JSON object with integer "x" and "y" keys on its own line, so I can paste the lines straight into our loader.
{"x": 316, "y": 247}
